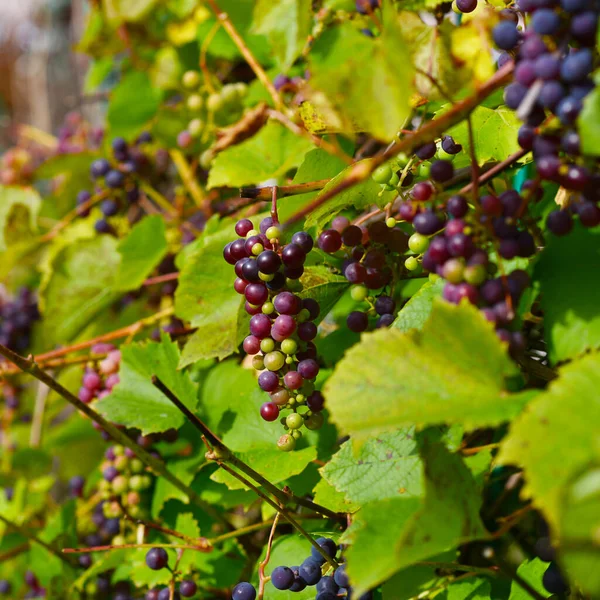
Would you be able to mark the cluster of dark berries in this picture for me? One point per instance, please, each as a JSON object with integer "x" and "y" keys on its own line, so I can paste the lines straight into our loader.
{"x": 282, "y": 327}
{"x": 76, "y": 135}
{"x": 314, "y": 571}
{"x": 554, "y": 62}
{"x": 17, "y": 316}
{"x": 157, "y": 559}
{"x": 370, "y": 257}
{"x": 116, "y": 181}
{"x": 100, "y": 377}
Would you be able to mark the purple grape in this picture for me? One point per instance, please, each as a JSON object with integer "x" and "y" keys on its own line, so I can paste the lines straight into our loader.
{"x": 441, "y": 171}
{"x": 385, "y": 305}
{"x": 283, "y": 327}
{"x": 251, "y": 343}
{"x": 511, "y": 203}
{"x": 584, "y": 26}
{"x": 268, "y": 381}
{"x": 268, "y": 262}
{"x": 514, "y": 94}
{"x": 545, "y": 21}
{"x": 157, "y": 558}
{"x": 548, "y": 167}
{"x": 238, "y": 249}
{"x": 313, "y": 308}
{"x": 352, "y": 236}
{"x": 427, "y": 223}
{"x": 250, "y": 270}
{"x": 526, "y": 137}
{"x": 304, "y": 240}
{"x": 589, "y": 214}
{"x": 293, "y": 256}
{"x": 243, "y": 226}
{"x": 533, "y": 47}
{"x": 506, "y": 35}
{"x": 282, "y": 578}
{"x": 315, "y": 401}
{"x": 265, "y": 224}
{"x": 525, "y": 72}
{"x": 256, "y": 293}
{"x": 577, "y": 66}
{"x": 357, "y": 321}
{"x": 547, "y": 67}
{"x": 568, "y": 110}
{"x": 355, "y": 272}
{"x": 187, "y": 588}
{"x": 551, "y": 94}
{"x": 466, "y": 6}
{"x": 460, "y": 245}
{"x": 330, "y": 241}
{"x": 308, "y": 368}
{"x": 426, "y": 151}
{"x": 260, "y": 326}
{"x": 114, "y": 179}
{"x": 457, "y": 206}
{"x": 287, "y": 303}
{"x": 570, "y": 142}
{"x": 99, "y": 168}
{"x": 559, "y": 222}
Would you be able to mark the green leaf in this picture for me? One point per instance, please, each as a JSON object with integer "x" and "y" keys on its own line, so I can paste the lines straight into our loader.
{"x": 358, "y": 196}
{"x": 10, "y": 198}
{"x": 205, "y": 297}
{"x": 133, "y": 103}
{"x": 448, "y": 516}
{"x": 187, "y": 525}
{"x": 340, "y": 83}
{"x": 531, "y": 571}
{"x": 475, "y": 588}
{"x": 271, "y": 463}
{"x": 128, "y": 10}
{"x": 414, "y": 314}
{"x": 494, "y": 133}
{"x": 542, "y": 432}
{"x": 387, "y": 466}
{"x": 270, "y": 154}
{"x": 323, "y": 286}
{"x": 451, "y": 372}
{"x": 571, "y": 320}
{"x": 286, "y": 24}
{"x": 141, "y": 251}
{"x": 588, "y": 122}
{"x": 135, "y": 401}
{"x": 79, "y": 286}
{"x": 326, "y": 495}
{"x": 317, "y": 165}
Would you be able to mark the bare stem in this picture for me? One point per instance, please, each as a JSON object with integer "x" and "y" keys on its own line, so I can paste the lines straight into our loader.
{"x": 108, "y": 547}
{"x": 261, "y": 568}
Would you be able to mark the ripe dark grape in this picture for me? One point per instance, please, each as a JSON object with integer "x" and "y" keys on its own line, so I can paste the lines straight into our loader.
{"x": 237, "y": 249}
{"x": 568, "y": 110}
{"x": 589, "y": 214}
{"x": 157, "y": 558}
{"x": 577, "y": 66}
{"x": 5, "y": 586}
{"x": 283, "y": 327}
{"x": 427, "y": 223}
{"x": 506, "y": 35}
{"x": 574, "y": 6}
{"x": 268, "y": 381}
{"x": 260, "y": 326}
{"x": 551, "y": 94}
{"x": 99, "y": 168}
{"x": 385, "y": 305}
{"x": 287, "y": 303}
{"x": 355, "y": 272}
{"x": 243, "y": 591}
{"x": 553, "y": 580}
{"x": 293, "y": 256}
{"x": 466, "y": 6}
{"x": 525, "y": 72}
{"x": 268, "y": 262}
{"x": 352, "y": 236}
{"x": 310, "y": 571}
{"x": 243, "y": 226}
{"x": 187, "y": 588}
{"x": 422, "y": 191}
{"x": 559, "y": 222}
{"x": 340, "y": 577}
{"x": 308, "y": 368}
{"x": 269, "y": 411}
{"x": 547, "y": 67}
{"x": 426, "y": 151}
{"x": 328, "y": 545}
{"x": 249, "y": 270}
{"x": 307, "y": 331}
{"x": 315, "y": 401}
{"x": 330, "y": 241}
{"x": 514, "y": 94}
{"x": 114, "y": 179}
{"x": 357, "y": 321}
{"x": 282, "y": 578}
{"x": 449, "y": 146}
{"x": 312, "y": 306}
{"x": 457, "y": 206}
{"x": 584, "y": 26}
{"x": 545, "y": 21}
{"x": 256, "y": 293}
{"x": 441, "y": 171}
{"x": 304, "y": 240}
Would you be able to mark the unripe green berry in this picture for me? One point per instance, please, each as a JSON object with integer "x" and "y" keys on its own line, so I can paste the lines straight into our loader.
{"x": 296, "y": 434}
{"x": 121, "y": 463}
{"x": 251, "y": 233}
{"x": 294, "y": 421}
{"x": 454, "y": 269}
{"x": 258, "y": 363}
{"x": 424, "y": 169}
{"x": 418, "y": 243}
{"x": 195, "y": 127}
{"x": 265, "y": 277}
{"x": 206, "y": 159}
{"x": 120, "y": 484}
{"x": 257, "y": 248}
{"x": 289, "y": 360}
{"x": 229, "y": 94}
{"x": 303, "y": 316}
{"x": 394, "y": 180}
{"x": 273, "y": 233}
{"x": 190, "y": 79}
{"x": 289, "y": 346}
{"x": 119, "y": 540}
{"x": 118, "y": 450}
{"x": 136, "y": 483}
{"x": 391, "y": 222}
{"x": 411, "y": 263}
{"x": 300, "y": 399}
{"x": 214, "y": 103}
{"x": 402, "y": 160}
{"x": 286, "y": 443}
{"x": 475, "y": 274}
{"x": 315, "y": 421}
{"x": 137, "y": 512}
{"x": 194, "y": 102}
{"x": 146, "y": 482}
{"x": 267, "y": 345}
{"x": 267, "y": 307}
{"x": 274, "y": 360}
{"x": 359, "y": 293}
{"x": 136, "y": 465}
{"x": 382, "y": 174}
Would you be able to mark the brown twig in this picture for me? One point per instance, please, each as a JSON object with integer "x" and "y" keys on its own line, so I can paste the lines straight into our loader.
{"x": 161, "y": 279}
{"x": 493, "y": 171}
{"x": 107, "y": 547}
{"x": 261, "y": 568}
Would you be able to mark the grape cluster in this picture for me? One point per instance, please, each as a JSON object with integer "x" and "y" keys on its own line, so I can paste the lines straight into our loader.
{"x": 35, "y": 588}
{"x": 76, "y": 135}
{"x": 101, "y": 376}
{"x": 157, "y": 559}
{"x": 310, "y": 573}
{"x": 370, "y": 258}
{"x": 117, "y": 180}
{"x": 554, "y": 62}
{"x": 282, "y": 327}
{"x": 17, "y": 316}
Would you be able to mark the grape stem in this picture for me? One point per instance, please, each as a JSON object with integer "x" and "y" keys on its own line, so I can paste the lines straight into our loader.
{"x": 32, "y": 538}
{"x": 28, "y": 365}
{"x": 282, "y": 511}
{"x": 493, "y": 171}
{"x": 264, "y": 193}
{"x": 187, "y": 176}
{"x": 274, "y": 214}
{"x": 108, "y": 547}
{"x": 429, "y": 132}
{"x": 261, "y": 568}
{"x": 224, "y": 19}
{"x": 224, "y": 454}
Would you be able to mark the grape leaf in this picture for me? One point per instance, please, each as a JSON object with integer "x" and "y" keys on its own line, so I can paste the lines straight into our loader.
{"x": 387, "y": 466}
{"x": 494, "y": 133}
{"x": 270, "y": 154}
{"x": 340, "y": 83}
{"x": 135, "y": 401}
{"x": 571, "y": 321}
{"x": 132, "y": 104}
{"x": 358, "y": 196}
{"x": 541, "y": 431}
{"x": 79, "y": 286}
{"x": 475, "y": 588}
{"x": 448, "y": 516}
{"x": 531, "y": 571}
{"x": 323, "y": 286}
{"x": 141, "y": 251}
{"x": 128, "y": 10}
{"x": 451, "y": 372}
{"x": 10, "y": 198}
{"x": 326, "y": 495}
{"x": 414, "y": 314}
{"x": 588, "y": 122}
{"x": 187, "y": 525}
{"x": 286, "y": 24}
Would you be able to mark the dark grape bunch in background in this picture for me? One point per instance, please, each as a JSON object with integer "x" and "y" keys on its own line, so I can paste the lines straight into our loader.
{"x": 282, "y": 327}
{"x": 17, "y": 317}
{"x": 157, "y": 559}
{"x": 314, "y": 571}
{"x": 554, "y": 64}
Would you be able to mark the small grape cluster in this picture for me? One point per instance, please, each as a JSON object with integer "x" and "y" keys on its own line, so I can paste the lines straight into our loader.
{"x": 101, "y": 376}
{"x": 371, "y": 255}
{"x": 17, "y": 316}
{"x": 309, "y": 573}
{"x": 157, "y": 559}
{"x": 76, "y": 135}
{"x": 282, "y": 327}
{"x": 554, "y": 62}
{"x": 116, "y": 180}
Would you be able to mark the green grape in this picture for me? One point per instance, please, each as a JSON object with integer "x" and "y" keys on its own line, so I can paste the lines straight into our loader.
{"x": 267, "y": 345}
{"x": 359, "y": 293}
{"x": 286, "y": 443}
{"x": 190, "y": 79}
{"x": 418, "y": 243}
{"x": 423, "y": 170}
{"x": 136, "y": 465}
{"x": 454, "y": 269}
{"x": 411, "y": 263}
{"x": 296, "y": 434}
{"x": 289, "y": 346}
{"x": 195, "y": 102}
{"x": 274, "y": 360}
{"x": 265, "y": 277}
{"x": 273, "y": 233}
{"x": 475, "y": 274}
{"x": 257, "y": 249}
{"x": 267, "y": 307}
{"x": 195, "y": 127}
{"x": 402, "y": 160}
{"x": 251, "y": 233}
{"x": 121, "y": 462}
{"x": 118, "y": 450}
{"x": 214, "y": 103}
{"x": 120, "y": 484}
{"x": 382, "y": 174}
{"x": 391, "y": 222}
{"x": 258, "y": 363}
{"x": 206, "y": 159}
{"x": 294, "y": 421}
